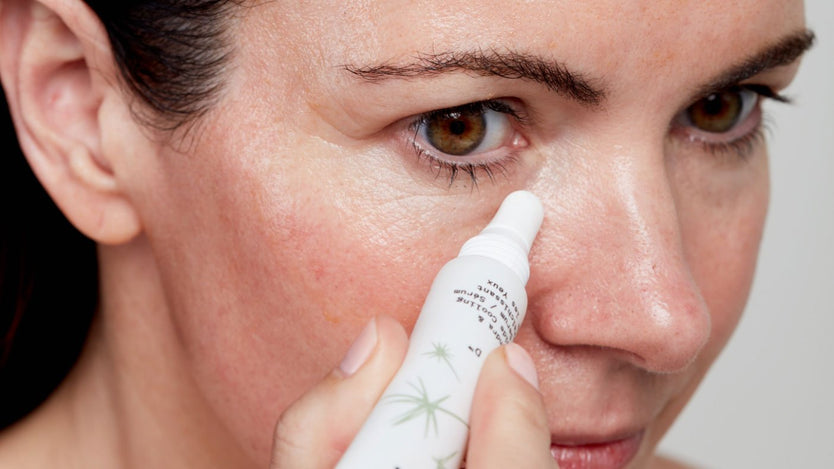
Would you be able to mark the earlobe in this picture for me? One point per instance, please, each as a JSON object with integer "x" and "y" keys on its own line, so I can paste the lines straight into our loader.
{"x": 57, "y": 72}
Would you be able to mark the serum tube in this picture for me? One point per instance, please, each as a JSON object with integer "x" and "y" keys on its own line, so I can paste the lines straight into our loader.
{"x": 476, "y": 304}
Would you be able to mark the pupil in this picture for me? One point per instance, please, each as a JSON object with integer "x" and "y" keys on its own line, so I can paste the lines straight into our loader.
{"x": 457, "y": 127}
{"x": 713, "y": 105}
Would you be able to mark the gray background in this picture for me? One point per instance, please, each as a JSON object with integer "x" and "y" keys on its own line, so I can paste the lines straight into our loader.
{"x": 769, "y": 400}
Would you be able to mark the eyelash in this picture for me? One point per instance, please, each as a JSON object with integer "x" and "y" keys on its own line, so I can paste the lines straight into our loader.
{"x": 740, "y": 147}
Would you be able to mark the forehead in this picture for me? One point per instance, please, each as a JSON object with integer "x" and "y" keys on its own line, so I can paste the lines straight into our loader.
{"x": 591, "y": 35}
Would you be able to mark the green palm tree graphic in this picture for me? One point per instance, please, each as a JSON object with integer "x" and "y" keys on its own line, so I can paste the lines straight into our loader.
{"x": 441, "y": 353}
{"x": 422, "y": 405}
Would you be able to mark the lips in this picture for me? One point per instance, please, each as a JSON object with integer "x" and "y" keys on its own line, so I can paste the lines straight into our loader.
{"x": 613, "y": 454}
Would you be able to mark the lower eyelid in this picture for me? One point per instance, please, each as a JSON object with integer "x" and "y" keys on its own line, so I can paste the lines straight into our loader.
{"x": 474, "y": 171}
{"x": 518, "y": 142}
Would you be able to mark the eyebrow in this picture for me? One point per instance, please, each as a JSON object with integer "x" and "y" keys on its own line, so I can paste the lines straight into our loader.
{"x": 504, "y": 64}
{"x": 558, "y": 78}
{"x": 783, "y": 52}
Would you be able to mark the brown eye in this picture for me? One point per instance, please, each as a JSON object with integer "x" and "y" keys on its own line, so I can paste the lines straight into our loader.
{"x": 470, "y": 130}
{"x": 456, "y": 132}
{"x": 721, "y": 112}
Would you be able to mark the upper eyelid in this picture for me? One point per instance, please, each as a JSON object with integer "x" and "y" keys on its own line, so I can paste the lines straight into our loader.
{"x": 764, "y": 91}
{"x": 495, "y": 104}
{"x": 767, "y": 92}
{"x": 760, "y": 89}
{"x": 763, "y": 84}
{"x": 759, "y": 86}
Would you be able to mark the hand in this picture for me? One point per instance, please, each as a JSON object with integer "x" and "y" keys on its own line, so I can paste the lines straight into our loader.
{"x": 507, "y": 426}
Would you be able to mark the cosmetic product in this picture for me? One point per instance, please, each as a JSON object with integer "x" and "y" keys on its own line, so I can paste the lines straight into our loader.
{"x": 476, "y": 304}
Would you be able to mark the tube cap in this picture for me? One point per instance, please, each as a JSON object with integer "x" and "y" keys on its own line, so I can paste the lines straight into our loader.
{"x": 510, "y": 234}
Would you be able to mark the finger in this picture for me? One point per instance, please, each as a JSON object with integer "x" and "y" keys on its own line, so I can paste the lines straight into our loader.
{"x": 508, "y": 426}
{"x": 315, "y": 430}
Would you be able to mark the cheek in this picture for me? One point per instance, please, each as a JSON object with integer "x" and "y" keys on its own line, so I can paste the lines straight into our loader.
{"x": 722, "y": 240}
{"x": 271, "y": 270}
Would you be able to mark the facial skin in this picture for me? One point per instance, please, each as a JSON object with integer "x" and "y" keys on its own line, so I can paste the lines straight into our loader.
{"x": 301, "y": 210}
{"x": 298, "y": 208}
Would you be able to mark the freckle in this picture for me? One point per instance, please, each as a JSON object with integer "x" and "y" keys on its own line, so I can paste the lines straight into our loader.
{"x": 331, "y": 318}
{"x": 661, "y": 58}
{"x": 318, "y": 272}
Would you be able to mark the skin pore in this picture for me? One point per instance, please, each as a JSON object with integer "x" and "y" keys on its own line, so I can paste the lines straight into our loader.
{"x": 307, "y": 200}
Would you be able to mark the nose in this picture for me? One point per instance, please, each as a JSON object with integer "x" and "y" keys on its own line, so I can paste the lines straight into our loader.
{"x": 610, "y": 270}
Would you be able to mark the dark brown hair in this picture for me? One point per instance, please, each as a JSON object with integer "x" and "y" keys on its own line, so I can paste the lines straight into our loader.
{"x": 171, "y": 54}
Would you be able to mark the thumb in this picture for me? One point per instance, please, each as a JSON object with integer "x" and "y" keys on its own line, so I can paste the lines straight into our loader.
{"x": 315, "y": 430}
{"x": 508, "y": 425}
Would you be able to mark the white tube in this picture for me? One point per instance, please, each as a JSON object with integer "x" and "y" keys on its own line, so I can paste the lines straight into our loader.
{"x": 476, "y": 304}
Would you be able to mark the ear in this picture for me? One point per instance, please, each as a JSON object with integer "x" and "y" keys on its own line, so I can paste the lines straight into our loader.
{"x": 58, "y": 72}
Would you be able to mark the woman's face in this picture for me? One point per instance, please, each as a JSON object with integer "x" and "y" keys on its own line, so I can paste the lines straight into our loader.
{"x": 322, "y": 190}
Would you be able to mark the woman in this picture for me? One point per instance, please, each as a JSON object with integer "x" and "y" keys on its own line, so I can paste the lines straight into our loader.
{"x": 264, "y": 180}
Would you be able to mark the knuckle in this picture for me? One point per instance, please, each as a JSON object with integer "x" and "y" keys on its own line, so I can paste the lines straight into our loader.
{"x": 287, "y": 437}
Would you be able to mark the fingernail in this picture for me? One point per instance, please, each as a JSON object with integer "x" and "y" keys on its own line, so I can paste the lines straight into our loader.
{"x": 361, "y": 349}
{"x": 520, "y": 361}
